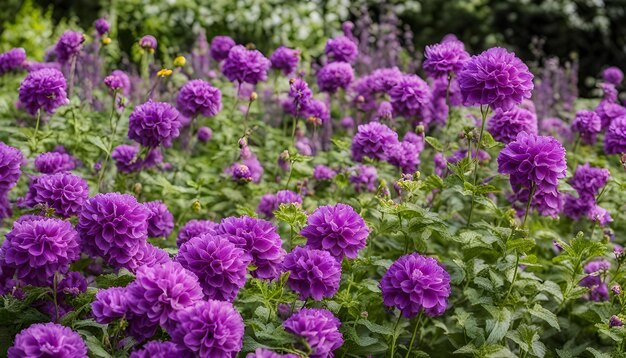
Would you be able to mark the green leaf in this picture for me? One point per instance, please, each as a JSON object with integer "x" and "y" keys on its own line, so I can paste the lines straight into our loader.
{"x": 376, "y": 328}
{"x": 291, "y": 214}
{"x": 521, "y": 245}
{"x": 94, "y": 345}
{"x": 98, "y": 142}
{"x": 597, "y": 354}
{"x": 121, "y": 279}
{"x": 545, "y": 315}
{"x": 499, "y": 325}
{"x": 435, "y": 143}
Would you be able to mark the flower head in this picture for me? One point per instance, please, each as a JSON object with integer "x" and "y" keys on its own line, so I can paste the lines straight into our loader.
{"x": 72, "y": 284}
{"x": 195, "y": 228}
{"x": 199, "y": 97}
{"x": 204, "y": 134}
{"x": 243, "y": 65}
{"x": 363, "y": 178}
{"x": 588, "y": 124}
{"x": 334, "y": 75}
{"x": 221, "y": 266}
{"x": 126, "y": 158}
{"x": 300, "y": 94}
{"x": 154, "y": 123}
{"x": 609, "y": 111}
{"x": 220, "y": 47}
{"x": 337, "y": 229}
{"x": 114, "y": 226}
{"x": 285, "y": 59}
{"x": 317, "y": 111}
{"x": 69, "y": 45}
{"x": 323, "y": 173}
{"x": 405, "y": 155}
{"x": 416, "y": 283}
{"x": 312, "y": 273}
{"x": 341, "y": 49}
{"x": 110, "y": 304}
{"x": 118, "y": 80}
{"x": 319, "y": 328}
{"x": 209, "y": 329}
{"x": 147, "y": 255}
{"x": 613, "y": 75}
{"x": 160, "y": 349}
{"x": 258, "y": 238}
{"x": 64, "y": 192}
{"x": 265, "y": 353}
{"x": 373, "y": 140}
{"x": 54, "y": 162}
{"x": 102, "y": 26}
{"x": 161, "y": 222}
{"x": 615, "y": 137}
{"x": 444, "y": 58}
{"x": 12, "y": 60}
{"x": 496, "y": 78}
{"x": 10, "y": 164}
{"x": 588, "y": 181}
{"x": 47, "y": 340}
{"x": 148, "y": 42}
{"x": 160, "y": 291}
{"x": 505, "y": 125}
{"x": 37, "y": 249}
{"x": 44, "y": 89}
{"x": 410, "y": 96}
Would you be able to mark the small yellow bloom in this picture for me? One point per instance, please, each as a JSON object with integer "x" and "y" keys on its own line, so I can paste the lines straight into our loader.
{"x": 196, "y": 206}
{"x": 164, "y": 72}
{"x": 253, "y": 96}
{"x": 180, "y": 61}
{"x": 106, "y": 40}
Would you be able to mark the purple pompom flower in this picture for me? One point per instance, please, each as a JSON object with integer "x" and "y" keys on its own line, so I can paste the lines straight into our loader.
{"x": 267, "y": 205}
{"x": 317, "y": 112}
{"x": 445, "y": 58}
{"x": 148, "y": 42}
{"x": 118, "y": 81}
{"x": 260, "y": 239}
{"x": 199, "y": 97}
{"x": 505, "y": 125}
{"x": 608, "y": 112}
{"x": 404, "y": 155}
{"x": 47, "y": 340}
{"x": 312, "y": 273}
{"x": 285, "y": 59}
{"x": 241, "y": 173}
{"x": 147, "y": 255}
{"x": 209, "y": 329}
{"x": 588, "y": 124}
{"x": 319, "y": 328}
{"x": 68, "y": 46}
{"x": 102, "y": 26}
{"x": 73, "y": 283}
{"x": 114, "y": 226}
{"x": 10, "y": 163}
{"x": 160, "y": 291}
{"x": 373, "y": 140}
{"x": 341, "y": 49}
{"x": 161, "y": 222}
{"x": 204, "y": 134}
{"x": 126, "y": 158}
{"x": 37, "y": 249}
{"x": 264, "y": 353}
{"x": 43, "y": 90}
{"x": 243, "y": 65}
{"x": 337, "y": 229}
{"x": 323, "y": 173}
{"x": 300, "y": 94}
{"x": 54, "y": 162}
{"x": 334, "y": 76}
{"x": 221, "y": 266}
{"x": 110, "y": 304}
{"x": 64, "y": 192}
{"x": 220, "y": 47}
{"x": 496, "y": 78}
{"x": 415, "y": 283}
{"x": 613, "y": 75}
{"x": 364, "y": 177}
{"x": 588, "y": 181}
{"x": 12, "y": 60}
{"x": 410, "y": 96}
{"x": 154, "y": 123}
{"x": 195, "y": 228}
{"x": 615, "y": 137}
{"x": 141, "y": 327}
{"x": 160, "y": 349}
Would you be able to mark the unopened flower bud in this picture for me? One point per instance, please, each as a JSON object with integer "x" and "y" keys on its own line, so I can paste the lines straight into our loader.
{"x": 253, "y": 96}
{"x": 106, "y": 41}
{"x": 419, "y": 129}
{"x": 180, "y": 61}
{"x": 137, "y": 188}
{"x": 164, "y": 72}
{"x": 360, "y": 99}
{"x": 196, "y": 206}
{"x": 615, "y": 321}
{"x": 617, "y": 290}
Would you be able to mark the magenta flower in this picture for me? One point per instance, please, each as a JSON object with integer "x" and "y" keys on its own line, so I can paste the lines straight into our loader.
{"x": 319, "y": 328}
{"x": 505, "y": 125}
{"x": 160, "y": 349}
{"x": 364, "y": 177}
{"x": 312, "y": 273}
{"x": 12, "y": 60}
{"x": 613, "y": 75}
{"x": 220, "y": 47}
{"x": 154, "y": 123}
{"x": 245, "y": 66}
{"x": 148, "y": 42}
{"x": 64, "y": 192}
{"x": 147, "y": 255}
{"x": 323, "y": 173}
{"x": 161, "y": 222}
{"x": 264, "y": 353}
{"x": 588, "y": 124}
{"x": 285, "y": 59}
{"x": 615, "y": 137}
{"x": 195, "y": 228}
{"x": 10, "y": 163}
{"x": 47, "y": 340}
{"x": 43, "y": 90}
{"x": 341, "y": 49}
{"x": 110, "y": 304}
{"x": 373, "y": 140}
{"x": 334, "y": 76}
{"x": 102, "y": 26}
{"x": 410, "y": 96}
{"x": 126, "y": 158}
{"x": 445, "y": 58}
{"x": 54, "y": 162}
{"x": 69, "y": 45}
{"x": 199, "y": 97}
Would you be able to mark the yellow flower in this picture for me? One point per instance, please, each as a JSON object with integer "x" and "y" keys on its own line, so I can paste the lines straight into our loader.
{"x": 164, "y": 72}
{"x": 106, "y": 40}
{"x": 180, "y": 61}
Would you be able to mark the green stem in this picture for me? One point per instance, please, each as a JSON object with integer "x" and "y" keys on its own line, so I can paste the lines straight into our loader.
{"x": 483, "y": 112}
{"x": 54, "y": 297}
{"x": 70, "y": 86}
{"x": 530, "y": 199}
{"x": 245, "y": 119}
{"x": 35, "y": 139}
{"x": 395, "y": 337}
{"x": 448, "y": 99}
{"x": 113, "y": 127}
{"x": 508, "y": 293}
{"x": 419, "y": 318}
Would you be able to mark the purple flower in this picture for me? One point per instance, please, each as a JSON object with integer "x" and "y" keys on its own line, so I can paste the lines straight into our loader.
{"x": 410, "y": 96}
{"x": 319, "y": 328}
{"x": 160, "y": 291}
{"x": 364, "y": 177}
{"x": 10, "y": 163}
{"x": 54, "y": 162}
{"x": 415, "y": 283}
{"x": 598, "y": 289}
{"x": 126, "y": 158}
{"x": 43, "y": 90}
{"x": 615, "y": 137}
{"x": 114, "y": 226}
{"x": 440, "y": 164}
{"x": 148, "y": 42}
{"x": 118, "y": 80}
{"x": 209, "y": 329}
{"x": 220, "y": 47}
{"x": 588, "y": 124}
{"x": 288, "y": 197}
{"x": 576, "y": 208}
{"x": 12, "y": 60}
{"x": 141, "y": 327}
{"x": 608, "y": 112}
{"x": 373, "y": 140}
{"x": 39, "y": 248}
{"x": 496, "y": 78}
{"x": 195, "y": 228}
{"x": 300, "y": 94}
{"x": 221, "y": 266}
{"x": 318, "y": 111}
{"x": 333, "y": 76}
{"x": 557, "y": 128}
{"x": 154, "y": 123}
{"x": 110, "y": 304}
{"x": 47, "y": 340}
{"x": 312, "y": 273}
{"x": 73, "y": 284}
{"x": 64, "y": 192}
{"x": 242, "y": 65}
{"x": 267, "y": 205}
{"x": 534, "y": 162}
{"x": 588, "y": 181}
{"x": 341, "y": 49}
{"x": 285, "y": 59}
{"x": 445, "y": 58}
{"x": 505, "y": 125}
{"x": 199, "y": 97}
{"x": 160, "y": 349}
{"x": 613, "y": 75}
{"x": 69, "y": 45}
{"x": 323, "y": 173}
{"x": 102, "y": 26}
{"x": 599, "y": 215}
{"x": 241, "y": 173}
{"x": 264, "y": 353}
{"x": 615, "y": 321}
{"x": 161, "y": 222}
{"x": 404, "y": 155}
{"x": 204, "y": 134}
{"x": 337, "y": 229}
{"x": 594, "y": 266}
{"x": 258, "y": 238}
{"x": 147, "y": 255}
{"x": 384, "y": 112}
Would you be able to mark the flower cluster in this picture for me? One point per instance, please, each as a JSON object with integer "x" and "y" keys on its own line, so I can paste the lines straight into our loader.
{"x": 373, "y": 140}
{"x": 271, "y": 202}
{"x": 63, "y": 192}
{"x": 245, "y": 66}
{"x": 285, "y": 59}
{"x": 154, "y": 123}
{"x": 312, "y": 273}
{"x": 319, "y": 328}
{"x": 588, "y": 124}
{"x": 44, "y": 89}
{"x": 587, "y": 181}
{"x": 505, "y": 125}
{"x": 47, "y": 340}
{"x": 54, "y": 162}
{"x": 12, "y": 60}
{"x": 445, "y": 58}
{"x": 199, "y": 97}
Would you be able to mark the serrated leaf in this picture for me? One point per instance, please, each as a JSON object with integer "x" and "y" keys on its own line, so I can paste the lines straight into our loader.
{"x": 499, "y": 324}
{"x": 435, "y": 143}
{"x": 98, "y": 142}
{"x": 598, "y": 354}
{"x": 545, "y": 315}
{"x": 376, "y": 328}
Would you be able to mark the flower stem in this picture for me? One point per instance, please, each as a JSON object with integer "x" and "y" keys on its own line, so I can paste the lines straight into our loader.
{"x": 54, "y": 297}
{"x": 113, "y": 126}
{"x": 70, "y": 86}
{"x": 448, "y": 99}
{"x": 530, "y": 199}
{"x": 483, "y": 112}
{"x": 508, "y": 293}
{"x": 419, "y": 318}
{"x": 35, "y": 139}
{"x": 395, "y": 337}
